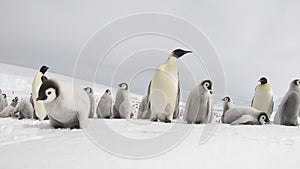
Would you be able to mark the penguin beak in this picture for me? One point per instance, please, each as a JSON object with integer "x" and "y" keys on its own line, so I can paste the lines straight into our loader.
{"x": 40, "y": 98}
{"x": 211, "y": 92}
{"x": 120, "y": 85}
{"x": 187, "y": 51}
{"x": 223, "y": 99}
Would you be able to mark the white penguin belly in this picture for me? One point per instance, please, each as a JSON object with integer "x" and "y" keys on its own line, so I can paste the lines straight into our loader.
{"x": 164, "y": 89}
{"x": 262, "y": 100}
{"x": 38, "y": 106}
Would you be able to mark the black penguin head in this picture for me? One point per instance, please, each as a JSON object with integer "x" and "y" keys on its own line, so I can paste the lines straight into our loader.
{"x": 89, "y": 90}
{"x": 263, "y": 80}
{"x": 15, "y": 99}
{"x": 44, "y": 69}
{"x": 4, "y": 95}
{"x": 296, "y": 82}
{"x": 207, "y": 84}
{"x": 263, "y": 118}
{"x": 226, "y": 99}
{"x": 107, "y": 91}
{"x": 177, "y": 53}
{"x": 48, "y": 91}
{"x": 123, "y": 86}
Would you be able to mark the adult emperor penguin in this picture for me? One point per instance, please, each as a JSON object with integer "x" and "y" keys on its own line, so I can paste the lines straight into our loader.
{"x": 228, "y": 104}
{"x": 36, "y": 84}
{"x": 198, "y": 107}
{"x": 104, "y": 108}
{"x": 164, "y": 88}
{"x": 263, "y": 97}
{"x": 245, "y": 115}
{"x": 288, "y": 110}
{"x": 123, "y": 104}
{"x": 90, "y": 92}
{"x": 67, "y": 105}
{"x": 24, "y": 109}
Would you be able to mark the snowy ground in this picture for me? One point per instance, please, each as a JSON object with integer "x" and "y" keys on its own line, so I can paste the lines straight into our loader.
{"x": 30, "y": 144}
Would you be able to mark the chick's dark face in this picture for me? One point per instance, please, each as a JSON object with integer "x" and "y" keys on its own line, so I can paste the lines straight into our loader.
{"x": 48, "y": 91}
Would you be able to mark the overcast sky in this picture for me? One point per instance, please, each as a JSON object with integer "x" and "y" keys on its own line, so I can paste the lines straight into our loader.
{"x": 252, "y": 38}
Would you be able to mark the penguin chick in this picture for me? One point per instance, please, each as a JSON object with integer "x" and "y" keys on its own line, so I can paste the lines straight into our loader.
{"x": 144, "y": 109}
{"x": 14, "y": 102}
{"x": 228, "y": 104}
{"x": 8, "y": 111}
{"x": 199, "y": 104}
{"x": 4, "y": 100}
{"x": 67, "y": 105}
{"x": 123, "y": 104}
{"x": 245, "y": 115}
{"x": 104, "y": 108}
{"x": 24, "y": 109}
{"x": 1, "y": 101}
{"x": 288, "y": 110}
{"x": 263, "y": 97}
{"x": 90, "y": 92}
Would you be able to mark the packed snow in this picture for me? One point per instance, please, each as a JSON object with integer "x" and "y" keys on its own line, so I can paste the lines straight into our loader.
{"x": 30, "y": 144}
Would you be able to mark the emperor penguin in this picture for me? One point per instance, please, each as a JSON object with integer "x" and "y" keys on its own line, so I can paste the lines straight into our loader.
{"x": 288, "y": 110}
{"x": 67, "y": 104}
{"x": 24, "y": 109}
{"x": 198, "y": 107}
{"x": 263, "y": 97}
{"x": 228, "y": 104}
{"x": 90, "y": 93}
{"x": 36, "y": 84}
{"x": 14, "y": 102}
{"x": 245, "y": 115}
{"x": 164, "y": 88}
{"x": 123, "y": 104}
{"x": 4, "y": 100}
{"x": 144, "y": 109}
{"x": 1, "y": 101}
{"x": 104, "y": 108}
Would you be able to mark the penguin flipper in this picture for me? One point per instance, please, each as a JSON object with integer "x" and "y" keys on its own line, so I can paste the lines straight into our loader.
{"x": 270, "y": 110}
{"x": 176, "y": 110}
{"x": 244, "y": 119}
{"x": 44, "y": 78}
{"x": 252, "y": 101}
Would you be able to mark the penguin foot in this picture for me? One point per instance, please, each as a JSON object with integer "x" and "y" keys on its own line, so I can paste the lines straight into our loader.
{"x": 107, "y": 117}
{"x": 154, "y": 120}
{"x": 198, "y": 122}
{"x": 167, "y": 121}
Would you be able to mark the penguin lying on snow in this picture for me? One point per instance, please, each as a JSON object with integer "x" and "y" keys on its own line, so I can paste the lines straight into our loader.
{"x": 244, "y": 115}
{"x": 104, "y": 108}
{"x": 67, "y": 105}
{"x": 198, "y": 107}
{"x": 288, "y": 109}
{"x": 123, "y": 104}
{"x": 164, "y": 88}
{"x": 24, "y": 109}
{"x": 263, "y": 97}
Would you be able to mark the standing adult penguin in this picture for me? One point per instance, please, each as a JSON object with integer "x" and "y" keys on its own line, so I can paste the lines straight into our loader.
{"x": 198, "y": 107}
{"x": 36, "y": 84}
{"x": 263, "y": 97}
{"x": 104, "y": 108}
{"x": 90, "y": 92}
{"x": 123, "y": 104}
{"x": 164, "y": 88}
{"x": 228, "y": 104}
{"x": 288, "y": 109}
{"x": 67, "y": 105}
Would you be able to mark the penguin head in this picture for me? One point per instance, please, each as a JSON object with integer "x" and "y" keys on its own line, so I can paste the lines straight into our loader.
{"x": 296, "y": 82}
{"x": 177, "y": 53}
{"x": 48, "y": 91}
{"x": 89, "y": 90}
{"x": 124, "y": 86}
{"x": 263, "y": 80}
{"x": 207, "y": 84}
{"x": 107, "y": 91}
{"x": 263, "y": 118}
{"x": 15, "y": 99}
{"x": 4, "y": 95}
{"x": 226, "y": 99}
{"x": 44, "y": 69}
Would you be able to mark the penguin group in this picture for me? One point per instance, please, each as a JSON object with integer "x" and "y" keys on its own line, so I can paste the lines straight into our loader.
{"x": 66, "y": 105}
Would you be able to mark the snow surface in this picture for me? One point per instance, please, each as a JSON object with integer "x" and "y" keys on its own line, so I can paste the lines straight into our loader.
{"x": 30, "y": 144}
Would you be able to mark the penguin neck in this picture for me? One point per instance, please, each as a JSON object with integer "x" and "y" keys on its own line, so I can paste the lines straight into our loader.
{"x": 172, "y": 60}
